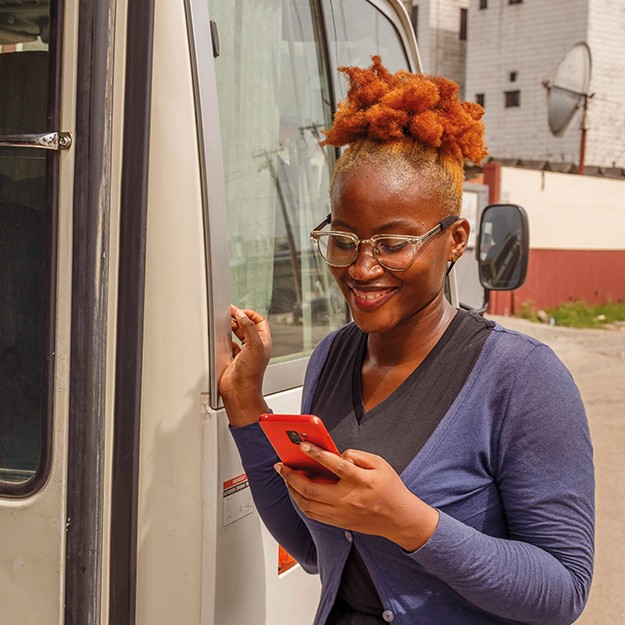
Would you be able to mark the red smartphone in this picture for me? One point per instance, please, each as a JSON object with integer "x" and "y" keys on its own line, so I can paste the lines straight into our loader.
{"x": 286, "y": 431}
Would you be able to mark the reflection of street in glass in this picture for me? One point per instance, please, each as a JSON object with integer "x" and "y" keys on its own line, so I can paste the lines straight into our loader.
{"x": 289, "y": 336}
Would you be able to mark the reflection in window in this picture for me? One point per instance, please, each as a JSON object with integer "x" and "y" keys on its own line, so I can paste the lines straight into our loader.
{"x": 357, "y": 31}
{"x": 25, "y": 244}
{"x": 273, "y": 104}
{"x": 414, "y": 20}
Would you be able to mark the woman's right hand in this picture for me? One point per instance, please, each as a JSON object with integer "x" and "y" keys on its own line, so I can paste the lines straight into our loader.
{"x": 242, "y": 381}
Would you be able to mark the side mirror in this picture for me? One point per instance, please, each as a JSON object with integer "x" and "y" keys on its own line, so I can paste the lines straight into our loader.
{"x": 503, "y": 247}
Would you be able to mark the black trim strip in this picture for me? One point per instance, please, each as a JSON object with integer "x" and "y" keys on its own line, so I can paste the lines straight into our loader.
{"x": 89, "y": 309}
{"x": 329, "y": 70}
{"x": 128, "y": 366}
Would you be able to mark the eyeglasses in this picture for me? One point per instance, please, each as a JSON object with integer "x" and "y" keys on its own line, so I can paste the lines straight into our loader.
{"x": 394, "y": 252}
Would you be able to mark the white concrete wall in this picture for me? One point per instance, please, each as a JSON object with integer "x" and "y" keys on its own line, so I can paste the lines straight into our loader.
{"x": 530, "y": 39}
{"x": 568, "y": 211}
{"x": 606, "y": 113}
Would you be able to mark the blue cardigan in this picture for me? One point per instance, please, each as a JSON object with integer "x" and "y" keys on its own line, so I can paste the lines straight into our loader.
{"x": 510, "y": 469}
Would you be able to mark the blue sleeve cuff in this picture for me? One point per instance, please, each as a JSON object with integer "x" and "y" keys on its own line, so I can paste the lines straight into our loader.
{"x": 445, "y": 547}
{"x": 254, "y": 447}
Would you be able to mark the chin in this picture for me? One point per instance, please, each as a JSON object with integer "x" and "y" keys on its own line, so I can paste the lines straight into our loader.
{"x": 371, "y": 323}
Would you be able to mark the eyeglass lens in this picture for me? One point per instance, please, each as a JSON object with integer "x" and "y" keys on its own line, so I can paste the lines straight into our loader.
{"x": 342, "y": 250}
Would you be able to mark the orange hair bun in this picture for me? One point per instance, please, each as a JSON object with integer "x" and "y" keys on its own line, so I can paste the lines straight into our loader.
{"x": 384, "y": 107}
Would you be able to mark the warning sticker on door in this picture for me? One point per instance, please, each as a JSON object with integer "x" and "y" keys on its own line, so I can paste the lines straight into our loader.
{"x": 237, "y": 499}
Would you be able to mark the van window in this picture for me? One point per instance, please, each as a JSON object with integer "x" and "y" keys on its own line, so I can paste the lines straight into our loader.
{"x": 26, "y": 246}
{"x": 273, "y": 104}
{"x": 356, "y": 31}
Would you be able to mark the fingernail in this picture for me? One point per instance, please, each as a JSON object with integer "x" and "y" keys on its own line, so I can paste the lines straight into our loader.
{"x": 304, "y": 446}
{"x": 278, "y": 467}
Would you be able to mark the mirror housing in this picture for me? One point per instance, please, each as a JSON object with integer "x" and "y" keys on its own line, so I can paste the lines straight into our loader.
{"x": 503, "y": 247}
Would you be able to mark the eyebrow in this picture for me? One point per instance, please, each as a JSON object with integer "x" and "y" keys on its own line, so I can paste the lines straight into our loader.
{"x": 387, "y": 227}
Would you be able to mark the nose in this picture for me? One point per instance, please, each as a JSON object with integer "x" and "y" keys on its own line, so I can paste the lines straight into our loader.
{"x": 366, "y": 266}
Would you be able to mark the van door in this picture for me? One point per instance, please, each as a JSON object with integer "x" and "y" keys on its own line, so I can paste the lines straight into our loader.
{"x": 268, "y": 84}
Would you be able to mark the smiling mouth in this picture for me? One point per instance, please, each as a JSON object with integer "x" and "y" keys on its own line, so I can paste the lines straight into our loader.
{"x": 367, "y": 299}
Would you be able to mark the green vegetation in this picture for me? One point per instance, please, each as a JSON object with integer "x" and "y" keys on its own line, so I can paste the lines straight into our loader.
{"x": 576, "y": 314}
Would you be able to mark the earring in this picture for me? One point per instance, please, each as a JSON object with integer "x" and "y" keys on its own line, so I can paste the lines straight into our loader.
{"x": 453, "y": 259}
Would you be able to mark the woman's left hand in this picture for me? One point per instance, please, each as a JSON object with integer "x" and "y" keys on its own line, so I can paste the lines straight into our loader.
{"x": 369, "y": 497}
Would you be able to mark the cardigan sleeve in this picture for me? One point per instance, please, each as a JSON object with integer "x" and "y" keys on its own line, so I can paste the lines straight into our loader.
{"x": 541, "y": 573}
{"x": 269, "y": 492}
{"x": 271, "y": 496}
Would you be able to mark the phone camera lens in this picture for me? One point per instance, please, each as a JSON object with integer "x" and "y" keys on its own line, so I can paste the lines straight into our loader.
{"x": 296, "y": 439}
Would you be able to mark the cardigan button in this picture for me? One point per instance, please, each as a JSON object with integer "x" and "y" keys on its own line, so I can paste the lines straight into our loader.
{"x": 388, "y": 616}
{"x": 349, "y": 537}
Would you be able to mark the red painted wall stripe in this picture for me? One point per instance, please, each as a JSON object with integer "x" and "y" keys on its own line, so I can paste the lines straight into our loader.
{"x": 555, "y": 277}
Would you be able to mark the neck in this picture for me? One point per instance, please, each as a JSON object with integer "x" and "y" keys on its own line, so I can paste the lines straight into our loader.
{"x": 413, "y": 339}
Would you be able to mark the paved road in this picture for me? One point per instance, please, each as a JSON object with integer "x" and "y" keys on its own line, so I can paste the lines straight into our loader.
{"x": 596, "y": 358}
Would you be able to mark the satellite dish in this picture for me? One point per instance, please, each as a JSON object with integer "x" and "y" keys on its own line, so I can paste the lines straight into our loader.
{"x": 567, "y": 92}
{"x": 569, "y": 88}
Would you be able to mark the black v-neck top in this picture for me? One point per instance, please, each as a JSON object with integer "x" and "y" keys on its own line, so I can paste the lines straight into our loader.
{"x": 396, "y": 428}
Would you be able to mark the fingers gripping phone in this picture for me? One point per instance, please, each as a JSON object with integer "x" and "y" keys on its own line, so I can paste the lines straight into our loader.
{"x": 286, "y": 431}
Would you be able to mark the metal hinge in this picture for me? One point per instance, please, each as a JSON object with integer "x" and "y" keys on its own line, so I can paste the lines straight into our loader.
{"x": 45, "y": 141}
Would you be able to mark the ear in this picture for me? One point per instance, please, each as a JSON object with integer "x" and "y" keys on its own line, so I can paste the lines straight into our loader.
{"x": 459, "y": 237}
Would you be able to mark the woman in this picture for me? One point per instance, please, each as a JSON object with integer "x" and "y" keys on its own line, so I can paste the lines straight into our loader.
{"x": 465, "y": 491}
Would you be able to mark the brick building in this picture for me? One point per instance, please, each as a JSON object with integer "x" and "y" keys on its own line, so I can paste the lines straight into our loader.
{"x": 501, "y": 52}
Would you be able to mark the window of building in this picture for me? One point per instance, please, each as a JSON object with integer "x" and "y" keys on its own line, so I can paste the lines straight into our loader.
{"x": 414, "y": 19}
{"x": 513, "y": 98}
{"x": 515, "y": 1}
{"x": 513, "y": 76}
{"x": 483, "y": 4}
{"x": 480, "y": 99}
{"x": 463, "y": 24}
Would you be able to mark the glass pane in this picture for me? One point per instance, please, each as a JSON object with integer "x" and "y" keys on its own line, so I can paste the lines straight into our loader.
{"x": 273, "y": 104}
{"x": 357, "y": 30}
{"x": 25, "y": 239}
{"x": 501, "y": 247}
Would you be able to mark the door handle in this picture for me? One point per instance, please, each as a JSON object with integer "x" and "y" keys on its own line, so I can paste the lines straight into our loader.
{"x": 44, "y": 141}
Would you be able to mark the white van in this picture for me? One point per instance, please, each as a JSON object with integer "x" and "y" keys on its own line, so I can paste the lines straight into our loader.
{"x": 159, "y": 159}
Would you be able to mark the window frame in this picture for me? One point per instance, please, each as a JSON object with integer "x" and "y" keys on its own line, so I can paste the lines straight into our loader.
{"x": 483, "y": 5}
{"x": 280, "y": 376}
{"x": 464, "y": 24}
{"x": 33, "y": 484}
{"x": 512, "y": 98}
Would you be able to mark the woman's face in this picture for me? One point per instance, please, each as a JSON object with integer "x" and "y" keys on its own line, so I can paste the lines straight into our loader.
{"x": 369, "y": 200}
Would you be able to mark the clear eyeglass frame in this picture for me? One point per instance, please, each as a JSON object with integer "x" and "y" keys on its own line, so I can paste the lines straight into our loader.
{"x": 416, "y": 242}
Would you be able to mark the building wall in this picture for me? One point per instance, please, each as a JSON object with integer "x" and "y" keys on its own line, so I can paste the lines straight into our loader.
{"x": 577, "y": 247}
{"x": 528, "y": 38}
{"x": 531, "y": 38}
{"x": 606, "y": 112}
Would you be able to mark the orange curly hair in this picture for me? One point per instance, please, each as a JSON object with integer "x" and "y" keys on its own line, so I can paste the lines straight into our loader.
{"x": 415, "y": 117}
